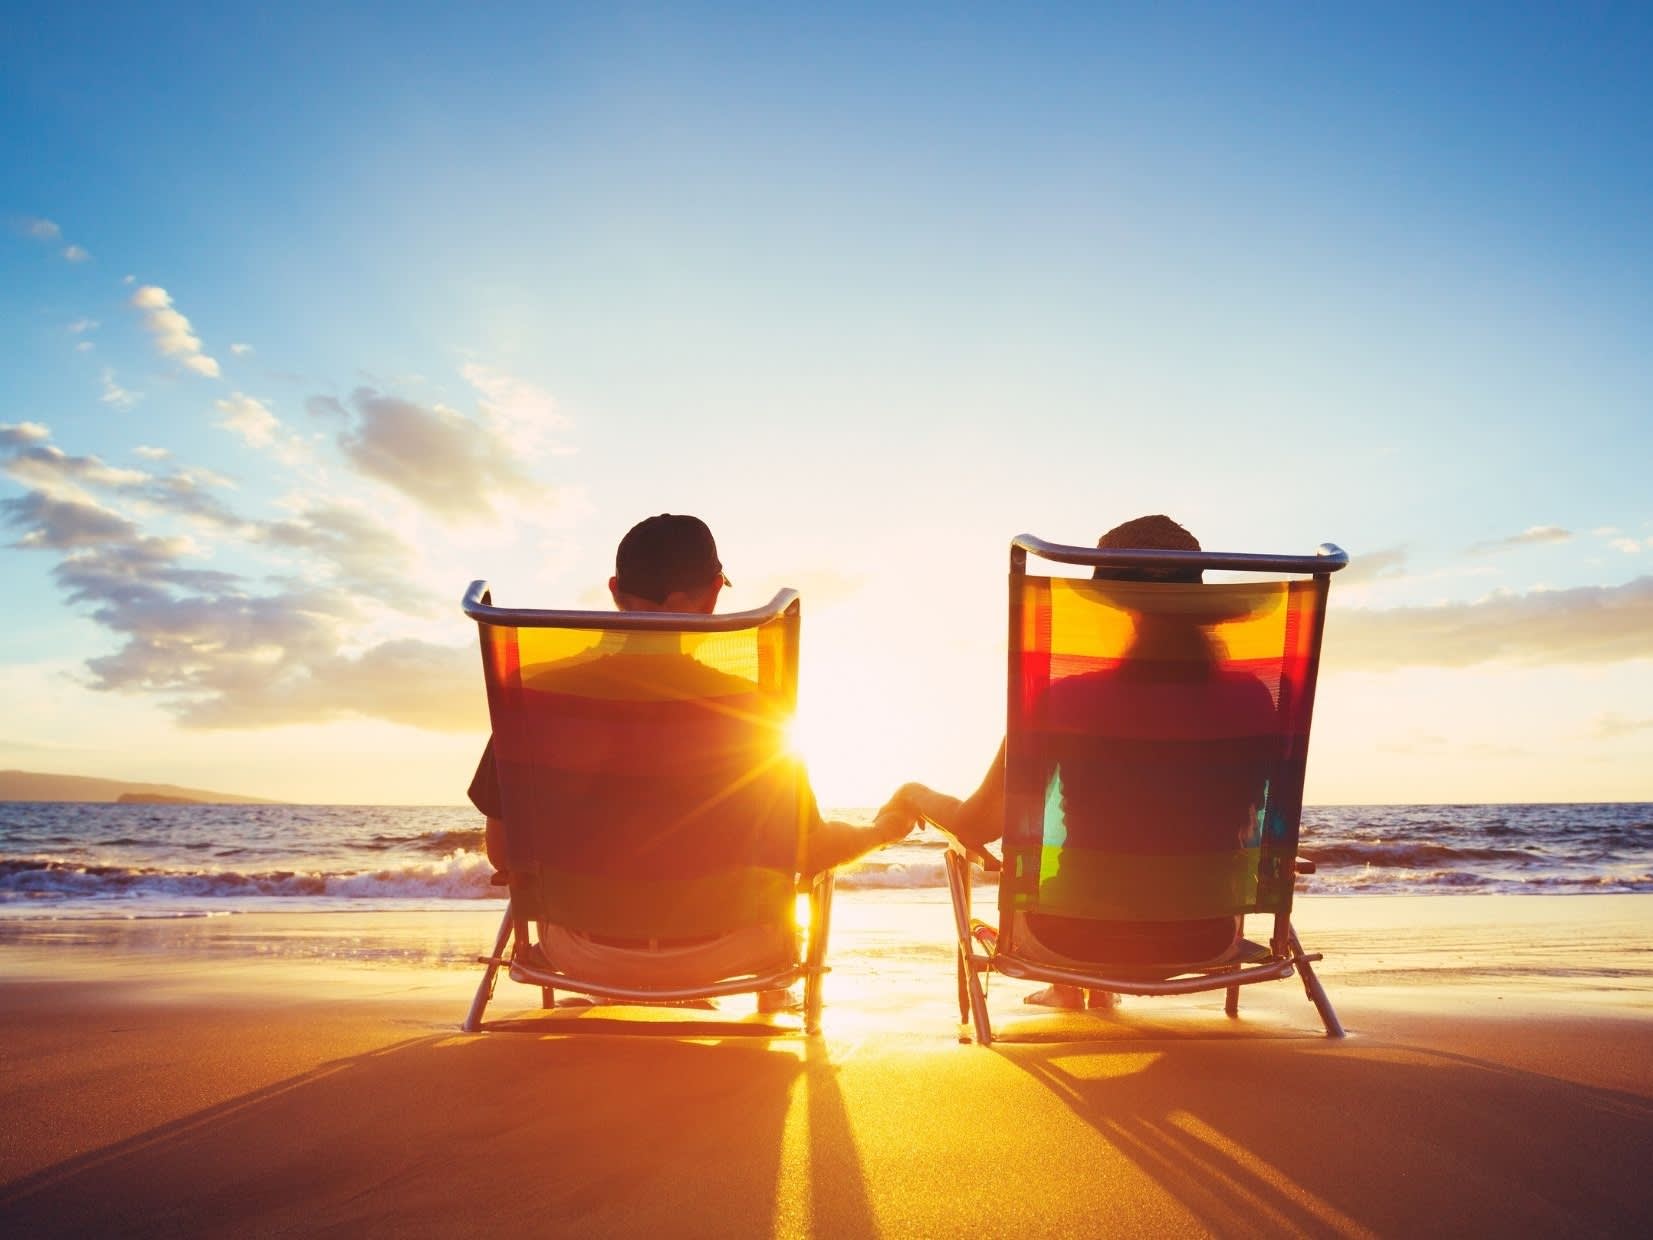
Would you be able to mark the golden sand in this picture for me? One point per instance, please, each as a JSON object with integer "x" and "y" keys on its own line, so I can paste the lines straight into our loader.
{"x": 172, "y": 1081}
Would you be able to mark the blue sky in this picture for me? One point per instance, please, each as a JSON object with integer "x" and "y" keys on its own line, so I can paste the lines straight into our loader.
{"x": 469, "y": 292}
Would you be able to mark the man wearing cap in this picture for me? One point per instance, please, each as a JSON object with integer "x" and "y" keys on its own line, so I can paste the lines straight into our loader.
{"x": 669, "y": 563}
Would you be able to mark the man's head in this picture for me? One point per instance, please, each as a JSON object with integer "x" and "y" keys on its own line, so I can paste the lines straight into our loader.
{"x": 667, "y": 563}
{"x": 1155, "y": 533}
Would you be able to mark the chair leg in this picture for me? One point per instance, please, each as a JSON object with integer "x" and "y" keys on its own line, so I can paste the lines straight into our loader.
{"x": 820, "y": 922}
{"x": 1231, "y": 1004}
{"x": 1315, "y": 991}
{"x": 812, "y": 1003}
{"x": 548, "y": 996}
{"x": 485, "y": 991}
{"x": 958, "y": 886}
{"x": 978, "y": 1007}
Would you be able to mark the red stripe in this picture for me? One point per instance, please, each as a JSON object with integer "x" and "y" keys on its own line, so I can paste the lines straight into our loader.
{"x": 593, "y": 735}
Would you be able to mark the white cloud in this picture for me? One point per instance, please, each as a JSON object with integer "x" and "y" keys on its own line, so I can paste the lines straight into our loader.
{"x": 114, "y": 394}
{"x": 1386, "y": 564}
{"x": 81, "y": 326}
{"x": 173, "y": 334}
{"x": 450, "y": 464}
{"x": 357, "y": 552}
{"x": 1531, "y": 536}
{"x": 1627, "y": 545}
{"x": 84, "y": 346}
{"x": 20, "y": 433}
{"x": 1612, "y": 726}
{"x": 184, "y": 494}
{"x": 241, "y": 350}
{"x": 518, "y": 410}
{"x": 249, "y": 419}
{"x": 53, "y": 472}
{"x": 63, "y": 523}
{"x": 47, "y": 230}
{"x": 151, "y": 454}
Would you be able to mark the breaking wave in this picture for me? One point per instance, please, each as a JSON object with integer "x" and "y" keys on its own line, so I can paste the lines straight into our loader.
{"x": 1411, "y": 856}
{"x": 458, "y": 876}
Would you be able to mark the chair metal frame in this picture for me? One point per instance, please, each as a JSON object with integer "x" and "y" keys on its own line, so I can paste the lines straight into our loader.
{"x": 1285, "y": 955}
{"x": 478, "y": 605}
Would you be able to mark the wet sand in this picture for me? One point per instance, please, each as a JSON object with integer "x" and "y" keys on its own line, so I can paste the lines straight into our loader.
{"x": 252, "y": 1076}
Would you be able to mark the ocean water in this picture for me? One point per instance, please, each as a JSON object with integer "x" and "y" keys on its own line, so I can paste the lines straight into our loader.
{"x": 68, "y": 860}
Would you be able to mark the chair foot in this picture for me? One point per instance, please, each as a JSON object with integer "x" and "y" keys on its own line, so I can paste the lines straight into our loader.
{"x": 1315, "y": 991}
{"x": 1231, "y": 1004}
{"x": 485, "y": 990}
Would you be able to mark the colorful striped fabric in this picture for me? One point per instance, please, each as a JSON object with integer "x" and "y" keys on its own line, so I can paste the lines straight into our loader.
{"x": 645, "y": 777}
{"x": 1156, "y": 745}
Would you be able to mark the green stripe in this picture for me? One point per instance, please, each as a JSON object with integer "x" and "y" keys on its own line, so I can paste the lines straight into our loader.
{"x": 1082, "y": 882}
{"x": 656, "y": 908}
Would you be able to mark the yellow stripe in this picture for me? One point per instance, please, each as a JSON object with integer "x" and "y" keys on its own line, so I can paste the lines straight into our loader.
{"x": 653, "y": 666}
{"x": 1095, "y": 618}
{"x": 1080, "y": 882}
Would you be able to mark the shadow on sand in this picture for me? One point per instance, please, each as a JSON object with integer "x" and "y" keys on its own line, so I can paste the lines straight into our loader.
{"x": 1258, "y": 1131}
{"x": 630, "y": 1130}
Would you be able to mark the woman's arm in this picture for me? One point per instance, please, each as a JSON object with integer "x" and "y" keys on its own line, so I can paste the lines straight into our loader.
{"x": 976, "y": 822}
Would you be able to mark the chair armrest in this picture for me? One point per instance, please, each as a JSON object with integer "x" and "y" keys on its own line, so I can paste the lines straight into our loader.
{"x": 809, "y": 883}
{"x": 976, "y": 856}
{"x": 1303, "y": 865}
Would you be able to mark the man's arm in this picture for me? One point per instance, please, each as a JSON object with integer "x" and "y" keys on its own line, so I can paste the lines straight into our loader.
{"x": 484, "y": 794}
{"x": 493, "y": 841}
{"x": 976, "y": 822}
{"x": 832, "y": 843}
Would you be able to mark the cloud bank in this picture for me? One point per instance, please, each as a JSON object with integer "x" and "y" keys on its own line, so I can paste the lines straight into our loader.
{"x": 217, "y": 648}
{"x": 1589, "y": 624}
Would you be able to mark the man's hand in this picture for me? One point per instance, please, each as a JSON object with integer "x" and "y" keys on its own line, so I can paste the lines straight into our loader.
{"x": 926, "y": 805}
{"x": 895, "y": 820}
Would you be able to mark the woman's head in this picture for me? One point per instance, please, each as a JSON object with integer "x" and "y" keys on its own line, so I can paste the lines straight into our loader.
{"x": 1152, "y": 533}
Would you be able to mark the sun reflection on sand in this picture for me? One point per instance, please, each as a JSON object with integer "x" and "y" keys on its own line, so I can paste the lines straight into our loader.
{"x": 792, "y": 1185}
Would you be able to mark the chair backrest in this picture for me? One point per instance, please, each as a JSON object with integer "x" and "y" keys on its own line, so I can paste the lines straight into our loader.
{"x": 1157, "y": 735}
{"x": 643, "y": 765}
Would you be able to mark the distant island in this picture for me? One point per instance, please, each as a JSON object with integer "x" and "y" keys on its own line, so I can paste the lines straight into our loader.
{"x": 38, "y": 786}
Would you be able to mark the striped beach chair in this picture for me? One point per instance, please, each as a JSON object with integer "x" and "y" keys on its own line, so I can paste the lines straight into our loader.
{"x": 1156, "y": 738}
{"x": 654, "y": 816}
